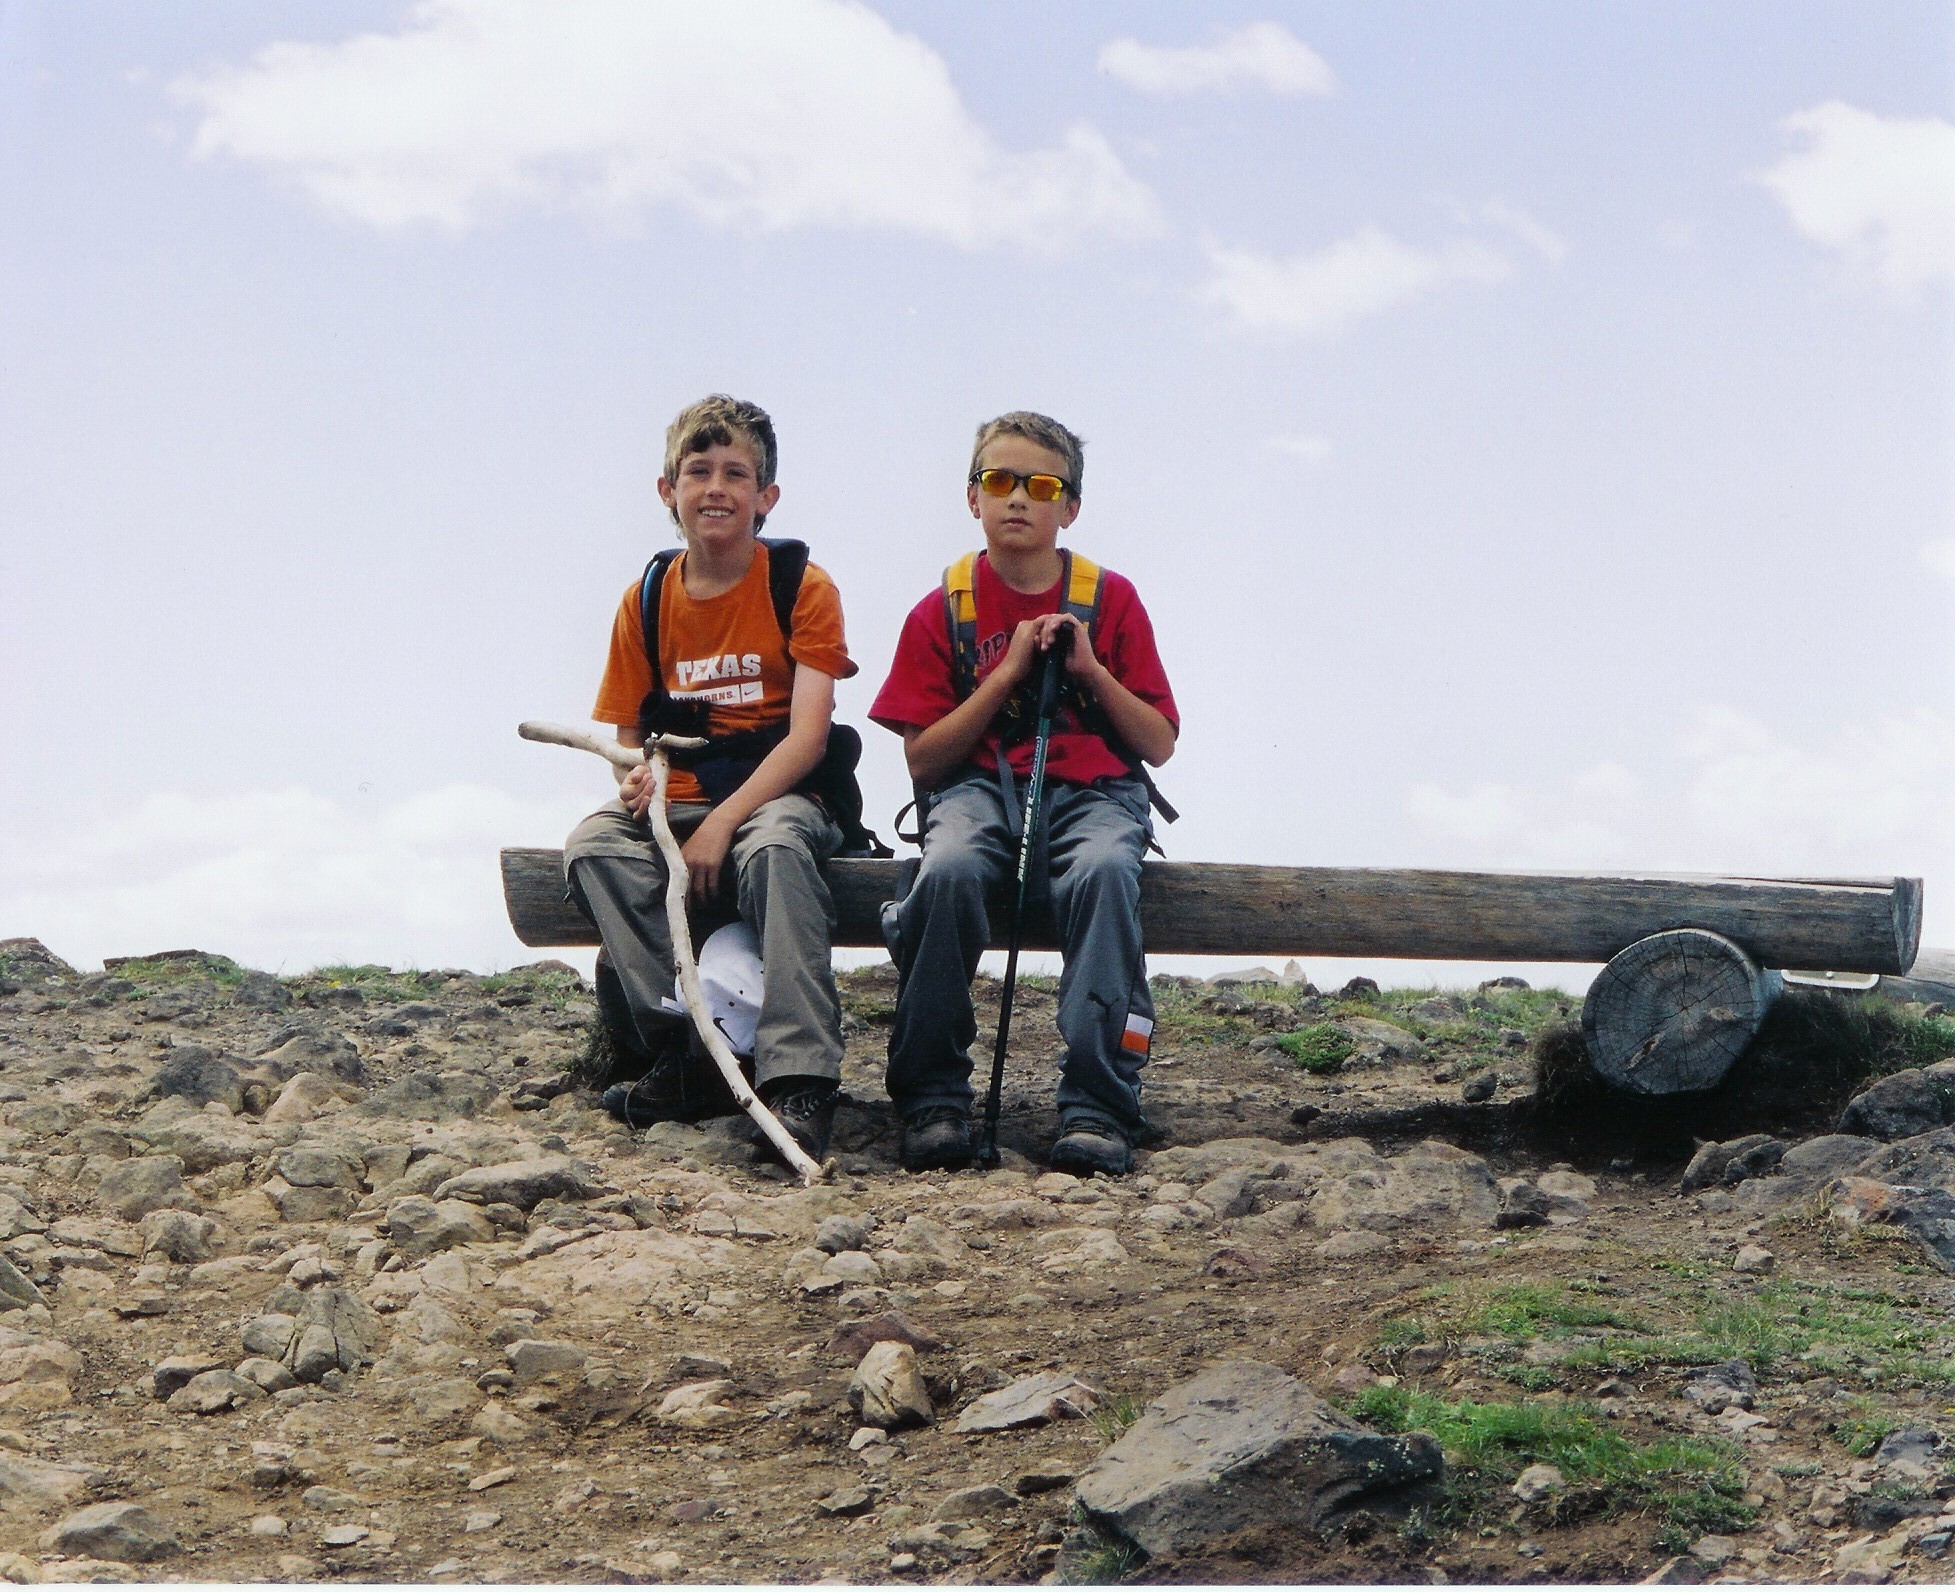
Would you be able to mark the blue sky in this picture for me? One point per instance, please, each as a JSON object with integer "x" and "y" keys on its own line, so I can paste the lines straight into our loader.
{"x": 1529, "y": 425}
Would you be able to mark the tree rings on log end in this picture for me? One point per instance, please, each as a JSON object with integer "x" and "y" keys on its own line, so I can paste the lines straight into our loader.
{"x": 1673, "y": 1012}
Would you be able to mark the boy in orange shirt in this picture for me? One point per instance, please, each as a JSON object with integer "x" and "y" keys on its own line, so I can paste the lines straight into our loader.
{"x": 769, "y": 698}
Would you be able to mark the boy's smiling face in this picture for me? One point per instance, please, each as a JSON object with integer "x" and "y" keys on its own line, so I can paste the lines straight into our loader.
{"x": 718, "y": 495}
{"x": 1018, "y": 523}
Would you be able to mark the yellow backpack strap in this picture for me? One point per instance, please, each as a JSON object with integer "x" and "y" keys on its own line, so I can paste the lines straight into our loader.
{"x": 1083, "y": 579}
{"x": 960, "y": 617}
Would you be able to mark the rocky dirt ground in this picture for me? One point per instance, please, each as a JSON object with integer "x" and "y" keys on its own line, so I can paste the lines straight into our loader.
{"x": 333, "y": 1276}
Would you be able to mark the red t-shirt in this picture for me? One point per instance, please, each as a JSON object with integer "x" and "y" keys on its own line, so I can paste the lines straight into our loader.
{"x": 920, "y": 688}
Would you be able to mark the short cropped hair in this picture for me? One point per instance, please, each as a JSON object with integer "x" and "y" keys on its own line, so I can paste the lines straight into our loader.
{"x": 1043, "y": 430}
{"x": 717, "y": 421}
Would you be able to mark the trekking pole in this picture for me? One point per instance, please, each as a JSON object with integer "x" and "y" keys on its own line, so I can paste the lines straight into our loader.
{"x": 1050, "y": 675}
{"x": 675, "y": 912}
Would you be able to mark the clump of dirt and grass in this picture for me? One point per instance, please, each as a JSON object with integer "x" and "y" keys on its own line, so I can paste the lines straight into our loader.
{"x": 1690, "y": 1487}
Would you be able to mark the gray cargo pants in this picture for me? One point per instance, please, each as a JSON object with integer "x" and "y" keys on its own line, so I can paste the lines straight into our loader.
{"x": 1097, "y": 836}
{"x": 614, "y": 868}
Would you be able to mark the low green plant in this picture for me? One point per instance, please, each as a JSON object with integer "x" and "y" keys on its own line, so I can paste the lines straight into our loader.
{"x": 1889, "y": 1337}
{"x": 1322, "y": 1047}
{"x": 1110, "y": 1561}
{"x": 1693, "y": 1486}
{"x": 1525, "y": 1309}
{"x": 1112, "y": 1416}
{"x": 151, "y": 974}
{"x": 1863, "y": 1428}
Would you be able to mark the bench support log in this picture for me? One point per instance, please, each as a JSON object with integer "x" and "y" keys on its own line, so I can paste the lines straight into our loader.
{"x": 1673, "y": 1012}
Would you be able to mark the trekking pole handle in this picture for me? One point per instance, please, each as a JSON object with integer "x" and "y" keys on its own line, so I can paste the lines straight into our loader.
{"x": 1055, "y": 670}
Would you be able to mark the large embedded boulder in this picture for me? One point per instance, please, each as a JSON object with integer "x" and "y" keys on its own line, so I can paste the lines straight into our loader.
{"x": 200, "y": 1075}
{"x": 1903, "y": 1104}
{"x": 1247, "y": 1446}
{"x": 523, "y": 1183}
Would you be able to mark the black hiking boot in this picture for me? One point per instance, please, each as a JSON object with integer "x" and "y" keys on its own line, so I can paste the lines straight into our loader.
{"x": 678, "y": 1088}
{"x": 806, "y": 1108}
{"x": 937, "y": 1139}
{"x": 1089, "y": 1147}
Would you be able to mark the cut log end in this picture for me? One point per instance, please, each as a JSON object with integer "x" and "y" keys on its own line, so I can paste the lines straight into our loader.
{"x": 1672, "y": 1013}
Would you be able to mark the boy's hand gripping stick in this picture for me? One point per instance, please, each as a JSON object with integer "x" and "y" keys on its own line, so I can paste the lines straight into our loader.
{"x": 675, "y": 912}
{"x": 1052, "y": 672}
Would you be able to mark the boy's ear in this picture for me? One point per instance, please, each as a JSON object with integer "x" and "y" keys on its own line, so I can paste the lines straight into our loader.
{"x": 667, "y": 496}
{"x": 767, "y": 497}
{"x": 970, "y": 497}
{"x": 1069, "y": 513}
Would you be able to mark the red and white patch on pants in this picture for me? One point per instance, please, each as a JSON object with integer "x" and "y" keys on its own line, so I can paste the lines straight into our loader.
{"x": 1138, "y": 1037}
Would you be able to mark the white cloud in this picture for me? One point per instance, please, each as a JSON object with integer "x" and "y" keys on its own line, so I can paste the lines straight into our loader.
{"x": 282, "y": 879}
{"x": 1263, "y": 55}
{"x": 1940, "y": 558}
{"x": 1319, "y": 295}
{"x": 1880, "y": 189}
{"x": 1310, "y": 449}
{"x": 1544, "y": 241}
{"x": 766, "y": 115}
{"x": 1733, "y": 796}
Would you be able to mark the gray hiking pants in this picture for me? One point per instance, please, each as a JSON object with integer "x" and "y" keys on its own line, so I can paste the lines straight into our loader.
{"x": 1097, "y": 836}
{"x": 615, "y": 870}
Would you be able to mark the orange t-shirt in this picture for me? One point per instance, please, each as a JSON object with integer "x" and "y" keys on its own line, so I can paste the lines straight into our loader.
{"x": 725, "y": 650}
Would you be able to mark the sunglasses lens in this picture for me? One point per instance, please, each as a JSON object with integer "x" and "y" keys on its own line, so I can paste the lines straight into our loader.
{"x": 996, "y": 483}
{"x": 1044, "y": 488}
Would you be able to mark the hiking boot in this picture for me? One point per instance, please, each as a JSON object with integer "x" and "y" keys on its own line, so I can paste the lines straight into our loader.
{"x": 806, "y": 1108}
{"x": 937, "y": 1139}
{"x": 676, "y": 1089}
{"x": 1092, "y": 1147}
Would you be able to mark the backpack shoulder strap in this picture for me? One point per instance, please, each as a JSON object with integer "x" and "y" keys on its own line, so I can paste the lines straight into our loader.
{"x": 787, "y": 562}
{"x": 649, "y": 590}
{"x": 960, "y": 617}
{"x": 1083, "y": 580}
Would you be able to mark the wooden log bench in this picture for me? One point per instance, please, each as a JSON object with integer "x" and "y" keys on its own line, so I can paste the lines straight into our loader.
{"x": 1692, "y": 959}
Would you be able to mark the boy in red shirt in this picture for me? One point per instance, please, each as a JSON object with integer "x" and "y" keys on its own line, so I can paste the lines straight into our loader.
{"x": 721, "y": 646}
{"x": 968, "y": 740}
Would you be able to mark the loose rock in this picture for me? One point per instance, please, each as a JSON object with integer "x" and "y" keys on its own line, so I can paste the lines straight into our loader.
{"x": 1289, "y": 1459}
{"x": 124, "y": 1532}
{"x": 887, "y": 1389}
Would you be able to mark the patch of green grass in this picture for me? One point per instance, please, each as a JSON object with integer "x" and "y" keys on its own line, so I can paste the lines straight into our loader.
{"x": 1863, "y": 1428}
{"x": 1401, "y": 1332}
{"x": 1527, "y": 1309}
{"x": 1109, "y": 1562}
{"x": 1691, "y": 1486}
{"x": 152, "y": 974}
{"x": 1895, "y": 1338}
{"x": 1319, "y": 1048}
{"x": 374, "y": 982}
{"x": 1112, "y": 1416}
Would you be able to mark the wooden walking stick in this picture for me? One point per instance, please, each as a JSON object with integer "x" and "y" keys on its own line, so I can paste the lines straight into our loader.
{"x": 675, "y": 911}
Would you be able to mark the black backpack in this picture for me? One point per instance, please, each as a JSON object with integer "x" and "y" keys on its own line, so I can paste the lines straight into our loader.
{"x": 725, "y": 763}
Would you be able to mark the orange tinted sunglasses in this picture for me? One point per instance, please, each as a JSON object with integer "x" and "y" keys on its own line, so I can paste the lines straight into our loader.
{"x": 1039, "y": 488}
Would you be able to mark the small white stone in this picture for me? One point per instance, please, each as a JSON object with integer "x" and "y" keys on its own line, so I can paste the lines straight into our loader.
{"x": 269, "y": 1526}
